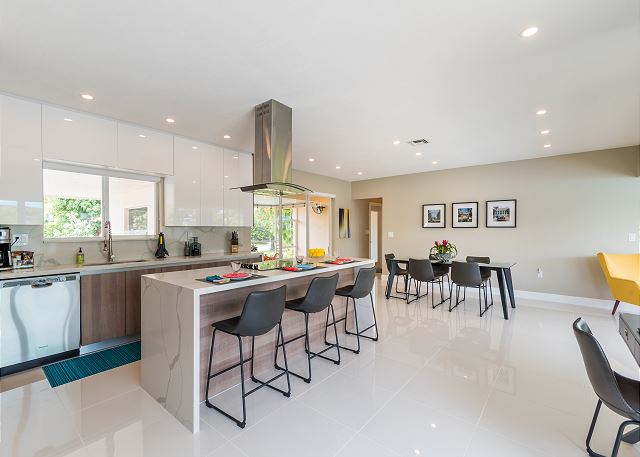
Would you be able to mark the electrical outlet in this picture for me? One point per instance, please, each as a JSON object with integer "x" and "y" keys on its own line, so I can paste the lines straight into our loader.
{"x": 389, "y": 234}
{"x": 22, "y": 239}
{"x": 632, "y": 237}
{"x": 540, "y": 273}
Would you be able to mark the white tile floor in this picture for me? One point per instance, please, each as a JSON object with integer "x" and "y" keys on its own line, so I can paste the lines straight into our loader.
{"x": 436, "y": 384}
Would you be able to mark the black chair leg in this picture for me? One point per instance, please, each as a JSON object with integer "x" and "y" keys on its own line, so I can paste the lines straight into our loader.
{"x": 591, "y": 428}
{"x": 619, "y": 436}
{"x": 239, "y": 423}
{"x": 359, "y": 333}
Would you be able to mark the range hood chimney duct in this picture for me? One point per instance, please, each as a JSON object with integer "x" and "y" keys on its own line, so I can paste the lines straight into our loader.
{"x": 272, "y": 159}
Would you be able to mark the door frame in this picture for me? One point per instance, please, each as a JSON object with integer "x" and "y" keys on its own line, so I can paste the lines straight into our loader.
{"x": 377, "y": 207}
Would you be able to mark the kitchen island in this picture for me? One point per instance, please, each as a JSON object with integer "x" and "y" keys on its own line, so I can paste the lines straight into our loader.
{"x": 178, "y": 309}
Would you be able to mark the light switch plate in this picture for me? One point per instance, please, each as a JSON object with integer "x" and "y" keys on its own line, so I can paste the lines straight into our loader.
{"x": 632, "y": 237}
{"x": 389, "y": 234}
{"x": 23, "y": 239}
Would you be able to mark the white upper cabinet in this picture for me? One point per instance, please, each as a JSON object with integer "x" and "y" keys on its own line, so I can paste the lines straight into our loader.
{"x": 238, "y": 205}
{"x": 212, "y": 186}
{"x": 77, "y": 137}
{"x": 20, "y": 162}
{"x": 145, "y": 150}
{"x": 193, "y": 196}
{"x": 182, "y": 193}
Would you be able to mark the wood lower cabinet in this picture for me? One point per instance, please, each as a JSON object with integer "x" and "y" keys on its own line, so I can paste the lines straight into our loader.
{"x": 102, "y": 307}
{"x": 110, "y": 302}
{"x": 133, "y": 299}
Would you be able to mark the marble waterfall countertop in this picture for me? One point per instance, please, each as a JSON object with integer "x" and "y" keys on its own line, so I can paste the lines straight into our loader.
{"x": 123, "y": 265}
{"x": 192, "y": 279}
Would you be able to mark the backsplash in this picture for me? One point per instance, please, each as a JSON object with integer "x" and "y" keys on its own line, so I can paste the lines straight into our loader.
{"x": 215, "y": 240}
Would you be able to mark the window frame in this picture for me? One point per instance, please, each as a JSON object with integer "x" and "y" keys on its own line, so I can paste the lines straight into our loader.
{"x": 105, "y": 174}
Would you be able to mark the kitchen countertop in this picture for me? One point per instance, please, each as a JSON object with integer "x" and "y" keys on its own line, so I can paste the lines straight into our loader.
{"x": 90, "y": 269}
{"x": 189, "y": 279}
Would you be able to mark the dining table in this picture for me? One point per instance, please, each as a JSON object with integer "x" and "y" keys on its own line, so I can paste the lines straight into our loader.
{"x": 502, "y": 270}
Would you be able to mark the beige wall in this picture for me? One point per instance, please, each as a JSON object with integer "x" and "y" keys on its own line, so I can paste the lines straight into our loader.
{"x": 357, "y": 245}
{"x": 569, "y": 208}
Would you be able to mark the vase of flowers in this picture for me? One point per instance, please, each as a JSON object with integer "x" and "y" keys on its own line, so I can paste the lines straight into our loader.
{"x": 443, "y": 251}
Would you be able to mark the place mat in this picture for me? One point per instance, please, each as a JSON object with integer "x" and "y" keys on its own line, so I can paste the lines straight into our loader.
{"x": 222, "y": 280}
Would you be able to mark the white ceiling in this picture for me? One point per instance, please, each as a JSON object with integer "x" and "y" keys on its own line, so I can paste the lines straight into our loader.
{"x": 358, "y": 74}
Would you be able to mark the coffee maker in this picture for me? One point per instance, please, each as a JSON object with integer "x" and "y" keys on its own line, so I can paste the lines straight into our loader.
{"x": 5, "y": 248}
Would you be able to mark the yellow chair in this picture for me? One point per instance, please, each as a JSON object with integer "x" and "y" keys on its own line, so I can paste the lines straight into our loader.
{"x": 623, "y": 276}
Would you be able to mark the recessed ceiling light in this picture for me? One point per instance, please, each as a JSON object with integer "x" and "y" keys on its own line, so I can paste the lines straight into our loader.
{"x": 311, "y": 159}
{"x": 68, "y": 119}
{"x": 170, "y": 120}
{"x": 434, "y": 162}
{"x": 544, "y": 132}
{"x": 546, "y": 146}
{"x": 418, "y": 153}
{"x": 142, "y": 136}
{"x": 433, "y": 425}
{"x": 541, "y": 112}
{"x": 227, "y": 137}
{"x": 338, "y": 167}
{"x": 194, "y": 147}
{"x": 529, "y": 31}
{"x": 416, "y": 451}
{"x": 396, "y": 142}
{"x": 359, "y": 173}
{"x": 87, "y": 96}
{"x": 225, "y": 177}
{"x": 235, "y": 157}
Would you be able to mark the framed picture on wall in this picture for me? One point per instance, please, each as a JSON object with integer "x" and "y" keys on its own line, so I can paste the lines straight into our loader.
{"x": 501, "y": 213}
{"x": 464, "y": 215}
{"x": 434, "y": 215}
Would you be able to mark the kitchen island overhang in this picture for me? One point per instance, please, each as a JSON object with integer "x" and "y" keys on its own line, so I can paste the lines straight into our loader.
{"x": 178, "y": 309}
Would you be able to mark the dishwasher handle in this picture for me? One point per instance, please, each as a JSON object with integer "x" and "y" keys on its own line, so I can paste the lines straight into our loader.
{"x": 41, "y": 284}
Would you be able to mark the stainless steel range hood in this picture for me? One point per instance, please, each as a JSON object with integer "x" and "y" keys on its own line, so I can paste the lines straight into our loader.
{"x": 272, "y": 159}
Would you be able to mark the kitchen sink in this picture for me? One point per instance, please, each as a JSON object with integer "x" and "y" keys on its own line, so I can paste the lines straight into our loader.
{"x": 117, "y": 262}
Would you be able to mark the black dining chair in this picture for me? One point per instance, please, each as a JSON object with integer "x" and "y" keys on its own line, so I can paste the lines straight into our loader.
{"x": 318, "y": 298}
{"x": 397, "y": 270}
{"x": 485, "y": 273}
{"x": 421, "y": 271}
{"x": 619, "y": 393}
{"x": 440, "y": 269}
{"x": 262, "y": 311}
{"x": 363, "y": 286}
{"x": 467, "y": 274}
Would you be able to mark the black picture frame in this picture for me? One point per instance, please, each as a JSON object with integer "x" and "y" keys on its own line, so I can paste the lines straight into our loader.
{"x": 492, "y": 221}
{"x": 443, "y": 215}
{"x": 456, "y": 223}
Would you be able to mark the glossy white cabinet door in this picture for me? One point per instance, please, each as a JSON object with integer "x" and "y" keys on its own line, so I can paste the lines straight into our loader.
{"x": 146, "y": 150}
{"x": 238, "y": 205}
{"x": 182, "y": 194}
{"x": 20, "y": 162}
{"x": 212, "y": 186}
{"x": 77, "y": 137}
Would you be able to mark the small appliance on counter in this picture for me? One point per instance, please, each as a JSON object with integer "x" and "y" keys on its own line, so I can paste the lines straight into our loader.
{"x": 22, "y": 259}
{"x": 195, "y": 247}
{"x": 161, "y": 252}
{"x": 6, "y": 261}
{"x": 235, "y": 242}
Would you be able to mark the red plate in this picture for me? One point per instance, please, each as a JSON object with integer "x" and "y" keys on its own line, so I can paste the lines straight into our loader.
{"x": 236, "y": 275}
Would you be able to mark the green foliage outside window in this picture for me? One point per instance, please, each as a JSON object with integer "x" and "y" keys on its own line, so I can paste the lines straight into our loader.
{"x": 264, "y": 233}
{"x": 72, "y": 217}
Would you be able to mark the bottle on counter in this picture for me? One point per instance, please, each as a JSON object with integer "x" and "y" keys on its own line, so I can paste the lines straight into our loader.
{"x": 187, "y": 249}
{"x": 235, "y": 242}
{"x": 79, "y": 257}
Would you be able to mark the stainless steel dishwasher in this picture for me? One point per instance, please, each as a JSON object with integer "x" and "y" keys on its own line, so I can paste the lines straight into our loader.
{"x": 39, "y": 321}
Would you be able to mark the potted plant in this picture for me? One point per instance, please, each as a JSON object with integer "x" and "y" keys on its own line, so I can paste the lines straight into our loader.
{"x": 443, "y": 251}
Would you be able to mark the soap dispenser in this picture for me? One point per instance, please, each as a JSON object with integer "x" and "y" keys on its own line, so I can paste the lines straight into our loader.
{"x": 79, "y": 257}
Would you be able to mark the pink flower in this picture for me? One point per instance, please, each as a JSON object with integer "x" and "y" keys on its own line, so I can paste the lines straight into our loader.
{"x": 445, "y": 242}
{"x": 437, "y": 244}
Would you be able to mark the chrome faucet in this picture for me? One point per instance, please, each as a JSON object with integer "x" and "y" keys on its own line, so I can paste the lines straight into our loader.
{"x": 108, "y": 242}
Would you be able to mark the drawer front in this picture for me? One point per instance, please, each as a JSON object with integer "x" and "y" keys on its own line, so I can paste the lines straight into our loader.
{"x": 630, "y": 340}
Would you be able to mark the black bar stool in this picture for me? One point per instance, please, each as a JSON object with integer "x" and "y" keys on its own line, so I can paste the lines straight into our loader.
{"x": 261, "y": 313}
{"x": 398, "y": 272}
{"x": 467, "y": 274}
{"x": 318, "y": 298}
{"x": 421, "y": 271}
{"x": 362, "y": 287}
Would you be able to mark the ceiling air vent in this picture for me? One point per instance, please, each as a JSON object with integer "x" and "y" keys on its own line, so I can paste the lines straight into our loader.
{"x": 418, "y": 142}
